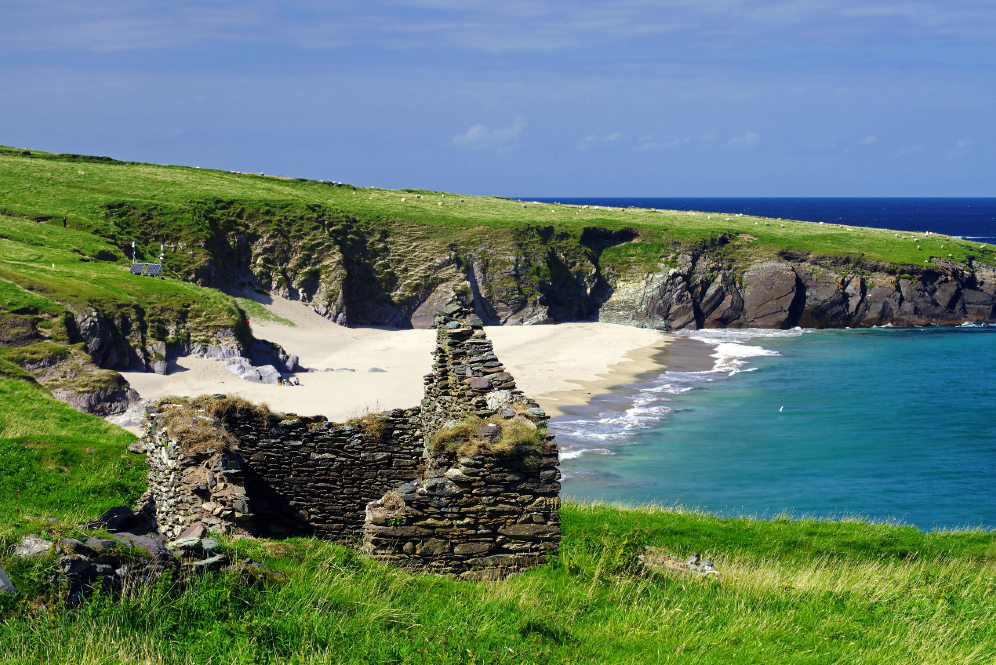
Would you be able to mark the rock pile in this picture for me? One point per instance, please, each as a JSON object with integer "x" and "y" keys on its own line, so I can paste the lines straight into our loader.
{"x": 80, "y": 566}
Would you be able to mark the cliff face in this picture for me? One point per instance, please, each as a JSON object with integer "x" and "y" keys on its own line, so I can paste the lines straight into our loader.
{"x": 784, "y": 294}
{"x": 397, "y": 272}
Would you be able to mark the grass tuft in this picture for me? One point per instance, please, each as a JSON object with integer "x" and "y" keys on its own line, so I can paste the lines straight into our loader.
{"x": 518, "y": 436}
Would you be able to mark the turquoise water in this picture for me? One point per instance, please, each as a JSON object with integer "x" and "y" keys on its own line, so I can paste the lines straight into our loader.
{"x": 883, "y": 423}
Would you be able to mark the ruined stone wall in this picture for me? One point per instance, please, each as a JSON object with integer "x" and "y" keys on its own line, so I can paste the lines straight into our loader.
{"x": 486, "y": 505}
{"x": 236, "y": 469}
{"x": 309, "y": 475}
{"x": 466, "y": 484}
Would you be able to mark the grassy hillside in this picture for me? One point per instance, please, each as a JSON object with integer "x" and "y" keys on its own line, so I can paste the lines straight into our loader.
{"x": 57, "y": 462}
{"x": 98, "y": 195}
{"x": 792, "y": 591}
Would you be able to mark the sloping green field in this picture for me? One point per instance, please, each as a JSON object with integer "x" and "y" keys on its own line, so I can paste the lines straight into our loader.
{"x": 792, "y": 591}
{"x": 41, "y": 184}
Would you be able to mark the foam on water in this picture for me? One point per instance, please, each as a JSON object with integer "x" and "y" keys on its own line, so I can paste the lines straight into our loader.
{"x": 888, "y": 423}
{"x": 649, "y": 404}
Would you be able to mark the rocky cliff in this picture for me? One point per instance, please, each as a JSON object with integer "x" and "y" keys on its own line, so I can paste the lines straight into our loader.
{"x": 699, "y": 293}
{"x": 397, "y": 272}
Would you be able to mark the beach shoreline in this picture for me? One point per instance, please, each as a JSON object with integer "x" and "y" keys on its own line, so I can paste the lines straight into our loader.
{"x": 559, "y": 366}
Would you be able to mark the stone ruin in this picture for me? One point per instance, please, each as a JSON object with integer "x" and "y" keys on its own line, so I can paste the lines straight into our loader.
{"x": 466, "y": 484}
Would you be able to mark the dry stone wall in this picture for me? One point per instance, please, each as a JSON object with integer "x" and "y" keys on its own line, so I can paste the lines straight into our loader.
{"x": 466, "y": 484}
{"x": 486, "y": 505}
{"x": 237, "y": 469}
{"x": 309, "y": 475}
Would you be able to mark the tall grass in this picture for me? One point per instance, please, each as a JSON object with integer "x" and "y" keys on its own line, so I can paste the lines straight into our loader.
{"x": 830, "y": 604}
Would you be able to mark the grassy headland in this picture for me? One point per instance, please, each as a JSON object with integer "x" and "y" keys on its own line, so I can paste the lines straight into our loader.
{"x": 792, "y": 591}
{"x": 40, "y": 184}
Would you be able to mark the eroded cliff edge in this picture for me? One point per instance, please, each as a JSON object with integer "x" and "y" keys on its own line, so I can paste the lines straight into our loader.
{"x": 397, "y": 272}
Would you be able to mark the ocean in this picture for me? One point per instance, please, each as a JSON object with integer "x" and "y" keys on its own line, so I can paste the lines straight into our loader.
{"x": 884, "y": 424}
{"x": 887, "y": 424}
{"x": 971, "y": 219}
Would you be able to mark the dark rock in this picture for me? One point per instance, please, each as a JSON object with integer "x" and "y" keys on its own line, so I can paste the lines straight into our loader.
{"x": 441, "y": 487}
{"x": 6, "y": 586}
{"x": 101, "y": 545}
{"x": 376, "y": 369}
{"x": 155, "y": 549}
{"x": 216, "y": 562}
{"x": 473, "y": 548}
{"x": 186, "y": 548}
{"x": 528, "y": 530}
{"x": 770, "y": 295}
{"x": 115, "y": 519}
{"x": 74, "y": 565}
{"x": 432, "y": 547}
{"x": 73, "y": 546}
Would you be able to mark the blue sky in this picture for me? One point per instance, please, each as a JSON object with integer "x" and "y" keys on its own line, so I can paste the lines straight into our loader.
{"x": 529, "y": 97}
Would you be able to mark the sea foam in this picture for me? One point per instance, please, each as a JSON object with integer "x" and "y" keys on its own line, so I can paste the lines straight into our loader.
{"x": 650, "y": 404}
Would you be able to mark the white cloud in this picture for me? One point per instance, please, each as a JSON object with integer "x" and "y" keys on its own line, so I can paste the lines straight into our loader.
{"x": 961, "y": 147}
{"x": 910, "y": 150}
{"x": 744, "y": 140}
{"x": 481, "y": 136}
{"x": 868, "y": 140}
{"x": 650, "y": 142}
{"x": 593, "y": 140}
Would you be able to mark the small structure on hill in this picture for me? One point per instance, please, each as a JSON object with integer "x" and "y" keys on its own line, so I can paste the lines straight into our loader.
{"x": 147, "y": 269}
{"x": 466, "y": 484}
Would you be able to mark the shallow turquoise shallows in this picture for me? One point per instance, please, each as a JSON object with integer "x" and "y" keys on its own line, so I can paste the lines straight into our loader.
{"x": 882, "y": 423}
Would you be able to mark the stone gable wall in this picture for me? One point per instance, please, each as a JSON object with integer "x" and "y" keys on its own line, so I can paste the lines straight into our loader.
{"x": 278, "y": 475}
{"x": 485, "y": 515}
{"x": 309, "y": 475}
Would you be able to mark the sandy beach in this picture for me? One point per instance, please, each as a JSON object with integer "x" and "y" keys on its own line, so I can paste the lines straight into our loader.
{"x": 558, "y": 365}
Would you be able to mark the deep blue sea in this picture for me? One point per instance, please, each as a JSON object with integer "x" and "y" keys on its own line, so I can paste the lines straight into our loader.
{"x": 972, "y": 219}
{"x": 887, "y": 423}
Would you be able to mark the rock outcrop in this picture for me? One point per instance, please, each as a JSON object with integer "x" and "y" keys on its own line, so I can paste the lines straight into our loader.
{"x": 784, "y": 294}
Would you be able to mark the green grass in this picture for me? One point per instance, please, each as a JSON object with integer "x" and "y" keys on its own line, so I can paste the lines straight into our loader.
{"x": 792, "y": 591}
{"x": 57, "y": 461}
{"x": 832, "y": 596}
{"x": 46, "y": 271}
{"x": 49, "y": 185}
{"x": 256, "y": 312}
